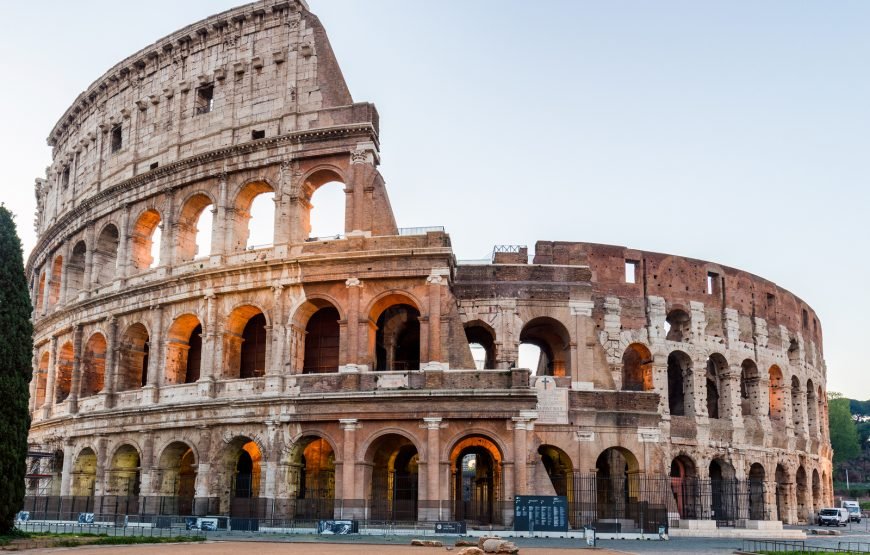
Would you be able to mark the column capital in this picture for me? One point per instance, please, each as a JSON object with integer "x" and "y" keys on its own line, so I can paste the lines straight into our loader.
{"x": 434, "y": 279}
{"x": 432, "y": 423}
{"x": 352, "y": 282}
{"x": 348, "y": 424}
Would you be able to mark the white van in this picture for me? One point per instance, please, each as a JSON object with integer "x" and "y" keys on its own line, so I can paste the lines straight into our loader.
{"x": 833, "y": 517}
{"x": 854, "y": 510}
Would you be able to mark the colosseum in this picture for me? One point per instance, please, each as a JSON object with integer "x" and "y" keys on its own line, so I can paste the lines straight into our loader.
{"x": 179, "y": 369}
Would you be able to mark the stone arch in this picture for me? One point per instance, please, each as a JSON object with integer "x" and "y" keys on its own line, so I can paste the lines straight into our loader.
{"x": 783, "y": 484}
{"x": 717, "y": 366}
{"x": 481, "y": 341}
{"x": 123, "y": 475}
{"x": 40, "y": 292}
{"x": 176, "y": 478}
{"x": 637, "y": 374}
{"x": 240, "y": 465}
{"x": 616, "y": 474}
{"x": 686, "y": 488}
{"x": 477, "y": 470}
{"x": 84, "y": 473}
{"x": 726, "y": 495}
{"x": 105, "y": 258}
{"x": 396, "y": 334}
{"x": 553, "y": 339}
{"x": 802, "y": 491}
{"x": 93, "y": 366}
{"x": 41, "y": 379}
{"x": 679, "y": 366}
{"x": 320, "y": 349}
{"x": 678, "y": 325}
{"x": 560, "y": 470}
{"x": 56, "y": 280}
{"x": 75, "y": 270}
{"x": 776, "y": 393}
{"x": 311, "y": 460}
{"x": 818, "y": 492}
{"x": 135, "y": 348}
{"x": 245, "y": 342}
{"x": 241, "y": 216}
{"x": 63, "y": 375}
{"x": 750, "y": 389}
{"x": 183, "y": 350}
{"x": 757, "y": 477}
{"x": 323, "y": 177}
{"x": 193, "y": 214}
{"x": 144, "y": 235}
{"x": 392, "y": 476}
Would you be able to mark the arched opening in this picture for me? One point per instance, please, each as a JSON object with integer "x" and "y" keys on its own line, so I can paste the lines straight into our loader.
{"x": 750, "y": 390}
{"x": 40, "y": 293}
{"x": 783, "y": 505}
{"x": 812, "y": 410}
{"x": 322, "y": 340}
{"x": 93, "y": 366}
{"x": 716, "y": 366}
{"x": 177, "y": 479}
{"x": 822, "y": 411}
{"x": 802, "y": 492}
{"x": 794, "y": 353}
{"x": 679, "y": 366}
{"x": 242, "y": 461}
{"x": 616, "y": 483}
{"x": 84, "y": 473}
{"x": 397, "y": 339}
{"x": 41, "y": 380}
{"x": 254, "y": 217}
{"x": 560, "y": 472}
{"x": 476, "y": 466}
{"x": 817, "y": 492}
{"x": 481, "y": 342}
{"x": 105, "y": 259}
{"x": 63, "y": 373}
{"x": 685, "y": 488}
{"x": 554, "y": 341}
{"x": 183, "y": 350}
{"x": 757, "y": 510}
{"x": 637, "y": 368}
{"x": 776, "y": 393}
{"x": 392, "y": 490}
{"x": 326, "y": 211}
{"x": 797, "y": 403}
{"x": 312, "y": 478}
{"x": 133, "y": 363}
{"x": 245, "y": 343}
{"x": 678, "y": 325}
{"x": 123, "y": 474}
{"x": 145, "y": 240}
{"x": 75, "y": 271}
{"x": 724, "y": 492}
{"x": 56, "y": 279}
{"x": 194, "y": 228}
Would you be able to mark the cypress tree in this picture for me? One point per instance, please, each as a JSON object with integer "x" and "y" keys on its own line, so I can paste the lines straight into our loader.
{"x": 16, "y": 346}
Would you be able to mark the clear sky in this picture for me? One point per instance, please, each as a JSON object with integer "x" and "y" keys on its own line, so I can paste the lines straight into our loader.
{"x": 732, "y": 131}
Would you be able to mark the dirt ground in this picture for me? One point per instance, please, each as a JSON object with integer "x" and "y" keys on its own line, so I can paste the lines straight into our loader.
{"x": 264, "y": 548}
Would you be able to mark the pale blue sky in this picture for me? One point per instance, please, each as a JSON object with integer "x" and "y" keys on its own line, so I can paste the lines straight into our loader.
{"x": 731, "y": 131}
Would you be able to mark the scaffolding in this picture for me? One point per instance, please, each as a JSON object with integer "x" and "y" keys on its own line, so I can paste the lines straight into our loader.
{"x": 43, "y": 465}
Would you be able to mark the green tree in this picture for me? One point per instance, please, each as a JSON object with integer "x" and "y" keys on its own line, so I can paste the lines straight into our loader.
{"x": 16, "y": 346}
{"x": 844, "y": 435}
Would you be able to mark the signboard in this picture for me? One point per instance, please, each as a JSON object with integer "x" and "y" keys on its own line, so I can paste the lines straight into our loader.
{"x": 540, "y": 513}
{"x": 442, "y": 527}
{"x": 206, "y": 524}
{"x": 86, "y": 518}
{"x": 337, "y": 527}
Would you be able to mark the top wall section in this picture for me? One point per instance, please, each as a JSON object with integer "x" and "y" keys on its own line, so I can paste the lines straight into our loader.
{"x": 254, "y": 72}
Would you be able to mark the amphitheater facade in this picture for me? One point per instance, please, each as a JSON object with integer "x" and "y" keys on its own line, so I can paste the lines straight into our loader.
{"x": 318, "y": 378}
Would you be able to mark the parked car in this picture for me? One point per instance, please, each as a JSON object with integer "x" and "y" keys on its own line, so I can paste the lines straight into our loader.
{"x": 833, "y": 517}
{"x": 854, "y": 510}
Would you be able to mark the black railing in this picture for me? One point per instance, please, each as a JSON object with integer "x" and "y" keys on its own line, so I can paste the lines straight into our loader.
{"x": 793, "y": 547}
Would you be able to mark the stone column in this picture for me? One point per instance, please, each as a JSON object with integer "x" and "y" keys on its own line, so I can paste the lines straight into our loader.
{"x": 87, "y": 278}
{"x": 49, "y": 382}
{"x": 146, "y": 467}
{"x": 151, "y": 390}
{"x": 46, "y": 288}
{"x": 269, "y": 464}
{"x": 354, "y": 505}
{"x": 219, "y": 235}
{"x": 123, "y": 247}
{"x": 202, "y": 488}
{"x": 522, "y": 424}
{"x": 168, "y": 228}
{"x": 296, "y": 338}
{"x": 76, "y": 381}
{"x": 430, "y": 509}
{"x": 66, "y": 472}
{"x": 111, "y": 355}
{"x": 61, "y": 294}
{"x": 34, "y": 383}
{"x": 100, "y": 481}
{"x": 660, "y": 383}
{"x": 731, "y": 379}
{"x": 435, "y": 283}
{"x": 275, "y": 365}
{"x": 350, "y": 342}
{"x": 210, "y": 337}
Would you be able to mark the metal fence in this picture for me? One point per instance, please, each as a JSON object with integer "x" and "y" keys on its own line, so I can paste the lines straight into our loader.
{"x": 800, "y": 547}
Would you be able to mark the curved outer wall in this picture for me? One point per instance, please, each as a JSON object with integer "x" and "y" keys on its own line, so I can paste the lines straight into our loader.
{"x": 163, "y": 375}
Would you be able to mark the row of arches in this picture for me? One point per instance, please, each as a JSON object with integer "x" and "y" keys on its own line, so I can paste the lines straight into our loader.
{"x": 755, "y": 398}
{"x": 544, "y": 346}
{"x": 243, "y": 349}
{"x": 249, "y": 223}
